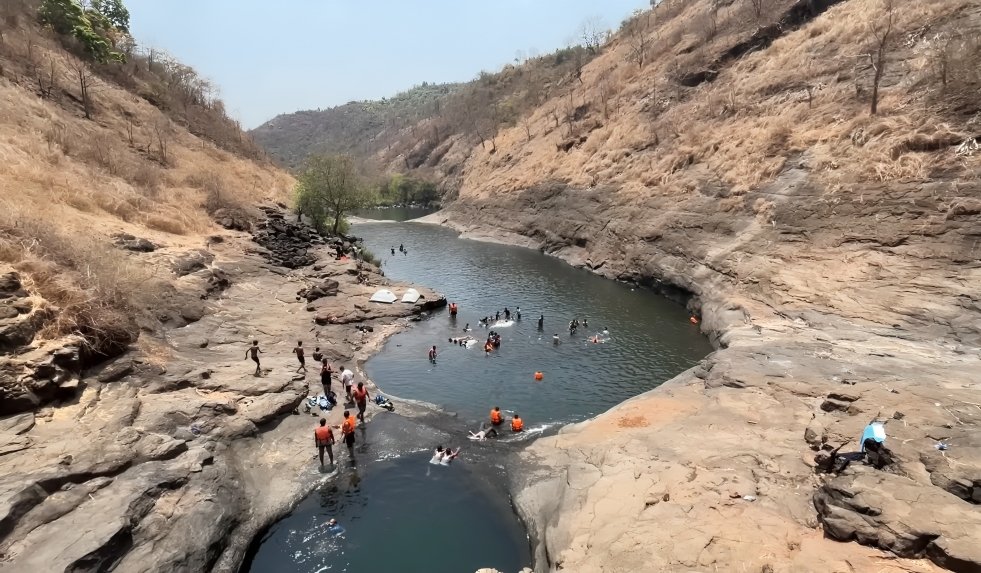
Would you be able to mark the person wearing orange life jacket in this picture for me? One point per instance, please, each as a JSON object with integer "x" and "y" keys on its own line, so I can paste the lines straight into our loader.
{"x": 516, "y": 424}
{"x": 495, "y": 416}
{"x": 347, "y": 430}
{"x": 361, "y": 398}
{"x": 323, "y": 438}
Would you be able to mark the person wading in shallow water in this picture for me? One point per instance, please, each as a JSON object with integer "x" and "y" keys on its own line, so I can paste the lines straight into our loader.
{"x": 361, "y": 398}
{"x": 347, "y": 429}
{"x": 255, "y": 352}
{"x": 323, "y": 438}
{"x": 432, "y": 354}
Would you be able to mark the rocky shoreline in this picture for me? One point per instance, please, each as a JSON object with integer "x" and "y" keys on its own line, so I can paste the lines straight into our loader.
{"x": 173, "y": 456}
{"x": 823, "y": 324}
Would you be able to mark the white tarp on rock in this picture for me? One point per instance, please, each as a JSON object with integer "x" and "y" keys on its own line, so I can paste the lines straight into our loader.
{"x": 411, "y": 295}
{"x": 384, "y": 295}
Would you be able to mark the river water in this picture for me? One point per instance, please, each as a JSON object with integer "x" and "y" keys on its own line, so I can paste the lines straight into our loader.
{"x": 426, "y": 518}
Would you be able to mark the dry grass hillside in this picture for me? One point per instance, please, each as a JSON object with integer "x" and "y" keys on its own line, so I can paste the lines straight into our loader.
{"x": 69, "y": 183}
{"x": 701, "y": 112}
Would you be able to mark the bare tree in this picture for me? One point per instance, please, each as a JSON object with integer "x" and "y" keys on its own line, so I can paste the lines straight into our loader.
{"x": 757, "y": 7}
{"x": 880, "y": 27}
{"x": 593, "y": 33}
{"x": 85, "y": 80}
{"x": 639, "y": 38}
{"x": 162, "y": 133}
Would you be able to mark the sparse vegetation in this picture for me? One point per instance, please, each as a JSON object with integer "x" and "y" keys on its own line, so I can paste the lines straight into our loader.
{"x": 71, "y": 182}
{"x": 328, "y": 188}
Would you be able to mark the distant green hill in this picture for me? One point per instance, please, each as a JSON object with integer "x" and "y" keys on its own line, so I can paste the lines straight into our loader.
{"x": 358, "y": 127}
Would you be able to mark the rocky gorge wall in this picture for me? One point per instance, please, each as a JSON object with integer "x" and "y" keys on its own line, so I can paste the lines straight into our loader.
{"x": 829, "y": 312}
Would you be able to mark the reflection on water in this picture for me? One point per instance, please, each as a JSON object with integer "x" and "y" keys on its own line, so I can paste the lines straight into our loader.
{"x": 393, "y": 213}
{"x": 650, "y": 339}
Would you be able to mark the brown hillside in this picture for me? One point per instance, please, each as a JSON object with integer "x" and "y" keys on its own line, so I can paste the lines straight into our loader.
{"x": 832, "y": 254}
{"x": 70, "y": 183}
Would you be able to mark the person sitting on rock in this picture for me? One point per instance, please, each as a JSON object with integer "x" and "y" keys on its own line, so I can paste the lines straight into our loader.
{"x": 317, "y": 354}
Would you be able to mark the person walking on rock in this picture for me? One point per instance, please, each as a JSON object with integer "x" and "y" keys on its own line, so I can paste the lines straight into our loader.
{"x": 323, "y": 438}
{"x": 255, "y": 352}
{"x": 361, "y": 398}
{"x": 299, "y": 356}
{"x": 347, "y": 430}
{"x": 347, "y": 380}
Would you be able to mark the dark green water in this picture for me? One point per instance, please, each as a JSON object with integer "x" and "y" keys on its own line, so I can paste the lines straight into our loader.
{"x": 393, "y": 213}
{"x": 404, "y": 514}
{"x": 400, "y": 513}
{"x": 650, "y": 339}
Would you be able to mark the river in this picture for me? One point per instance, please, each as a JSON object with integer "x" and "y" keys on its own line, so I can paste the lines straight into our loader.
{"x": 420, "y": 517}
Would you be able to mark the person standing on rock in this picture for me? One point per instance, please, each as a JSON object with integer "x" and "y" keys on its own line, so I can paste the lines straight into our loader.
{"x": 325, "y": 373}
{"x": 323, "y": 438}
{"x": 347, "y": 380}
{"x": 361, "y": 399}
{"x": 347, "y": 430}
{"x": 255, "y": 352}
{"x": 299, "y": 356}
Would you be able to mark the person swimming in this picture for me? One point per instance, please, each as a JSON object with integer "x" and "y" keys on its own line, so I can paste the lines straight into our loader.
{"x": 483, "y": 433}
{"x": 555, "y": 339}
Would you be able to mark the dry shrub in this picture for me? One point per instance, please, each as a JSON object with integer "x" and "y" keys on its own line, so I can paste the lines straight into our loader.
{"x": 98, "y": 291}
{"x": 146, "y": 177}
{"x": 165, "y": 224}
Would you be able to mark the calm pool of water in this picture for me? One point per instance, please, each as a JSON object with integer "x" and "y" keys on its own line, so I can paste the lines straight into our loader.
{"x": 650, "y": 339}
{"x": 403, "y": 514}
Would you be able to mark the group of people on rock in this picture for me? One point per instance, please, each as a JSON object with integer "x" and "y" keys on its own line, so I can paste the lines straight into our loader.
{"x": 355, "y": 396}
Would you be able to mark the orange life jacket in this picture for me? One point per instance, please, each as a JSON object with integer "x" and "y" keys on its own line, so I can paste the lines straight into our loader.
{"x": 361, "y": 395}
{"x": 517, "y": 425}
{"x": 324, "y": 436}
{"x": 348, "y": 426}
{"x": 495, "y": 416}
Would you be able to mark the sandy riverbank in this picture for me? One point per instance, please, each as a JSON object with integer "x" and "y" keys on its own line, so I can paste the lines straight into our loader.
{"x": 715, "y": 469}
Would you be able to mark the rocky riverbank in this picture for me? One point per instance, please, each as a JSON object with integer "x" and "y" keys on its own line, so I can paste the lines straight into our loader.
{"x": 827, "y": 315}
{"x": 173, "y": 456}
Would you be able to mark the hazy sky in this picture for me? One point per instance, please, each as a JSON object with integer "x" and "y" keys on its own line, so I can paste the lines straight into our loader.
{"x": 275, "y": 57}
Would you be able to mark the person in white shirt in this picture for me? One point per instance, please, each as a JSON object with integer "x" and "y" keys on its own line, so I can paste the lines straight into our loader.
{"x": 347, "y": 380}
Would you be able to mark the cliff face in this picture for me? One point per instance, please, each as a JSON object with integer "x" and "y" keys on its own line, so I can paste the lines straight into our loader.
{"x": 834, "y": 258}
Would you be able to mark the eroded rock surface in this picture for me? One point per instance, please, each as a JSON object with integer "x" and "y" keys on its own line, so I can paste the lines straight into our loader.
{"x": 172, "y": 457}
{"x": 829, "y": 312}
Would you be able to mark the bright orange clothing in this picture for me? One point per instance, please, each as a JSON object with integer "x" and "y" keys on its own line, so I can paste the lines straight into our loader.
{"x": 517, "y": 425}
{"x": 496, "y": 417}
{"x": 324, "y": 436}
{"x": 361, "y": 395}
{"x": 349, "y": 424}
